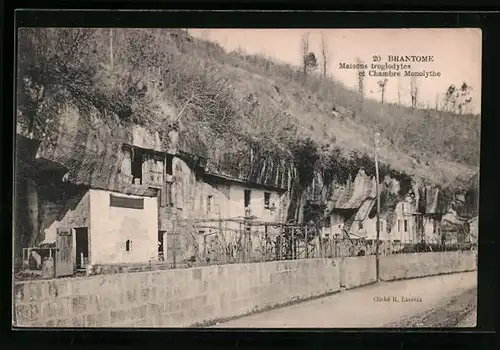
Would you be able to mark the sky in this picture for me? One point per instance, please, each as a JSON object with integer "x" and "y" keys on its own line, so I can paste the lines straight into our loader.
{"x": 457, "y": 55}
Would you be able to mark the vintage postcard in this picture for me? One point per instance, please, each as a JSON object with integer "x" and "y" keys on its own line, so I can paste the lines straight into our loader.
{"x": 254, "y": 178}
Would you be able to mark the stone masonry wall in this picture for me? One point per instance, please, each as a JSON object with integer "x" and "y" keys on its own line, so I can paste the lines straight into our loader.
{"x": 186, "y": 297}
{"x": 171, "y": 298}
{"x": 402, "y": 266}
{"x": 358, "y": 271}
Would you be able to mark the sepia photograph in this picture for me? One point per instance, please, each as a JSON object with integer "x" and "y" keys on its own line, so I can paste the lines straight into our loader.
{"x": 246, "y": 178}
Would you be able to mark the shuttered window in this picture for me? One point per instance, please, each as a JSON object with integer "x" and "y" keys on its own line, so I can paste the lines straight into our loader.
{"x": 267, "y": 200}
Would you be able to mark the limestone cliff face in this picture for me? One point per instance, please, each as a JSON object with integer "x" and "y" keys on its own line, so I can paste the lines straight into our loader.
{"x": 428, "y": 199}
{"x": 354, "y": 193}
{"x": 350, "y": 195}
{"x": 91, "y": 149}
{"x": 252, "y": 166}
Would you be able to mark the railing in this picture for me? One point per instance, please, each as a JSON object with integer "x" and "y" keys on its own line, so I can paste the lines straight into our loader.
{"x": 425, "y": 247}
{"x": 224, "y": 241}
{"x": 200, "y": 242}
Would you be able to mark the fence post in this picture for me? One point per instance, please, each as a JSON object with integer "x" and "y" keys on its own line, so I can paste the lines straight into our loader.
{"x": 248, "y": 232}
{"x": 243, "y": 242}
{"x": 263, "y": 251}
{"x": 292, "y": 245}
{"x": 204, "y": 248}
{"x": 295, "y": 244}
{"x": 320, "y": 245}
{"x": 221, "y": 246}
{"x": 174, "y": 246}
{"x": 265, "y": 242}
{"x": 307, "y": 242}
{"x": 280, "y": 246}
{"x": 280, "y": 238}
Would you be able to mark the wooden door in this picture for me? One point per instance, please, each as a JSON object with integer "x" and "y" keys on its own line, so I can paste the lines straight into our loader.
{"x": 64, "y": 253}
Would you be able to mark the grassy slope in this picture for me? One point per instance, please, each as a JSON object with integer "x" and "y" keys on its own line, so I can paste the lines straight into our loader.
{"x": 425, "y": 143}
{"x": 244, "y": 99}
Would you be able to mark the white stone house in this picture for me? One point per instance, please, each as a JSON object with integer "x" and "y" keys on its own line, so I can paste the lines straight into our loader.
{"x": 405, "y": 229}
{"x": 89, "y": 208}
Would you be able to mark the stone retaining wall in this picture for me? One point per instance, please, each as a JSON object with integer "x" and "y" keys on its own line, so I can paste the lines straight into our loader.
{"x": 171, "y": 298}
{"x": 358, "y": 271}
{"x": 403, "y": 266}
{"x": 186, "y": 297}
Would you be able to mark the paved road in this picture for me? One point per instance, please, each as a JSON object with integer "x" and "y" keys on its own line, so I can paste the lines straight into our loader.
{"x": 470, "y": 320}
{"x": 437, "y": 298}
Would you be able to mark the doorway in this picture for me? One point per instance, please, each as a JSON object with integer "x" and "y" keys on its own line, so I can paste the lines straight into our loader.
{"x": 136, "y": 167}
{"x": 82, "y": 247}
{"x": 247, "y": 198}
{"x": 161, "y": 247}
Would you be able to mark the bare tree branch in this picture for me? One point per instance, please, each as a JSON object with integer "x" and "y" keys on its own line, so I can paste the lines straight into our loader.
{"x": 305, "y": 51}
{"x": 382, "y": 84}
{"x": 413, "y": 91}
{"x": 324, "y": 52}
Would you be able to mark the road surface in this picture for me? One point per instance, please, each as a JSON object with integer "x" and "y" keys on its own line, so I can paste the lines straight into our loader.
{"x": 438, "y": 301}
{"x": 469, "y": 320}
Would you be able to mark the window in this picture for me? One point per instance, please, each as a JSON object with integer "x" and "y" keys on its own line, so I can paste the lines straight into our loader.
{"x": 169, "y": 164}
{"x": 128, "y": 245}
{"x": 360, "y": 225}
{"x": 399, "y": 225}
{"x": 166, "y": 192}
{"x": 161, "y": 249}
{"x": 137, "y": 160}
{"x": 406, "y": 225}
{"x": 267, "y": 200}
{"x": 209, "y": 204}
{"x": 247, "y": 198}
{"x": 381, "y": 226}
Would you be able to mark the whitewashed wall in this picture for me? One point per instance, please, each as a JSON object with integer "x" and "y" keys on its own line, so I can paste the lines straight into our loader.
{"x": 404, "y": 211}
{"x": 111, "y": 227}
{"x": 369, "y": 230}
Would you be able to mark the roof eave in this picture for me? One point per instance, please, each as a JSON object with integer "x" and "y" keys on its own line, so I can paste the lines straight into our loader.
{"x": 209, "y": 175}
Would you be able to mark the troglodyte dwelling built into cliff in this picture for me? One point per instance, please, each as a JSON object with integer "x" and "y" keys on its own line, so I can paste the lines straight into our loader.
{"x": 112, "y": 194}
{"x": 113, "y": 177}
